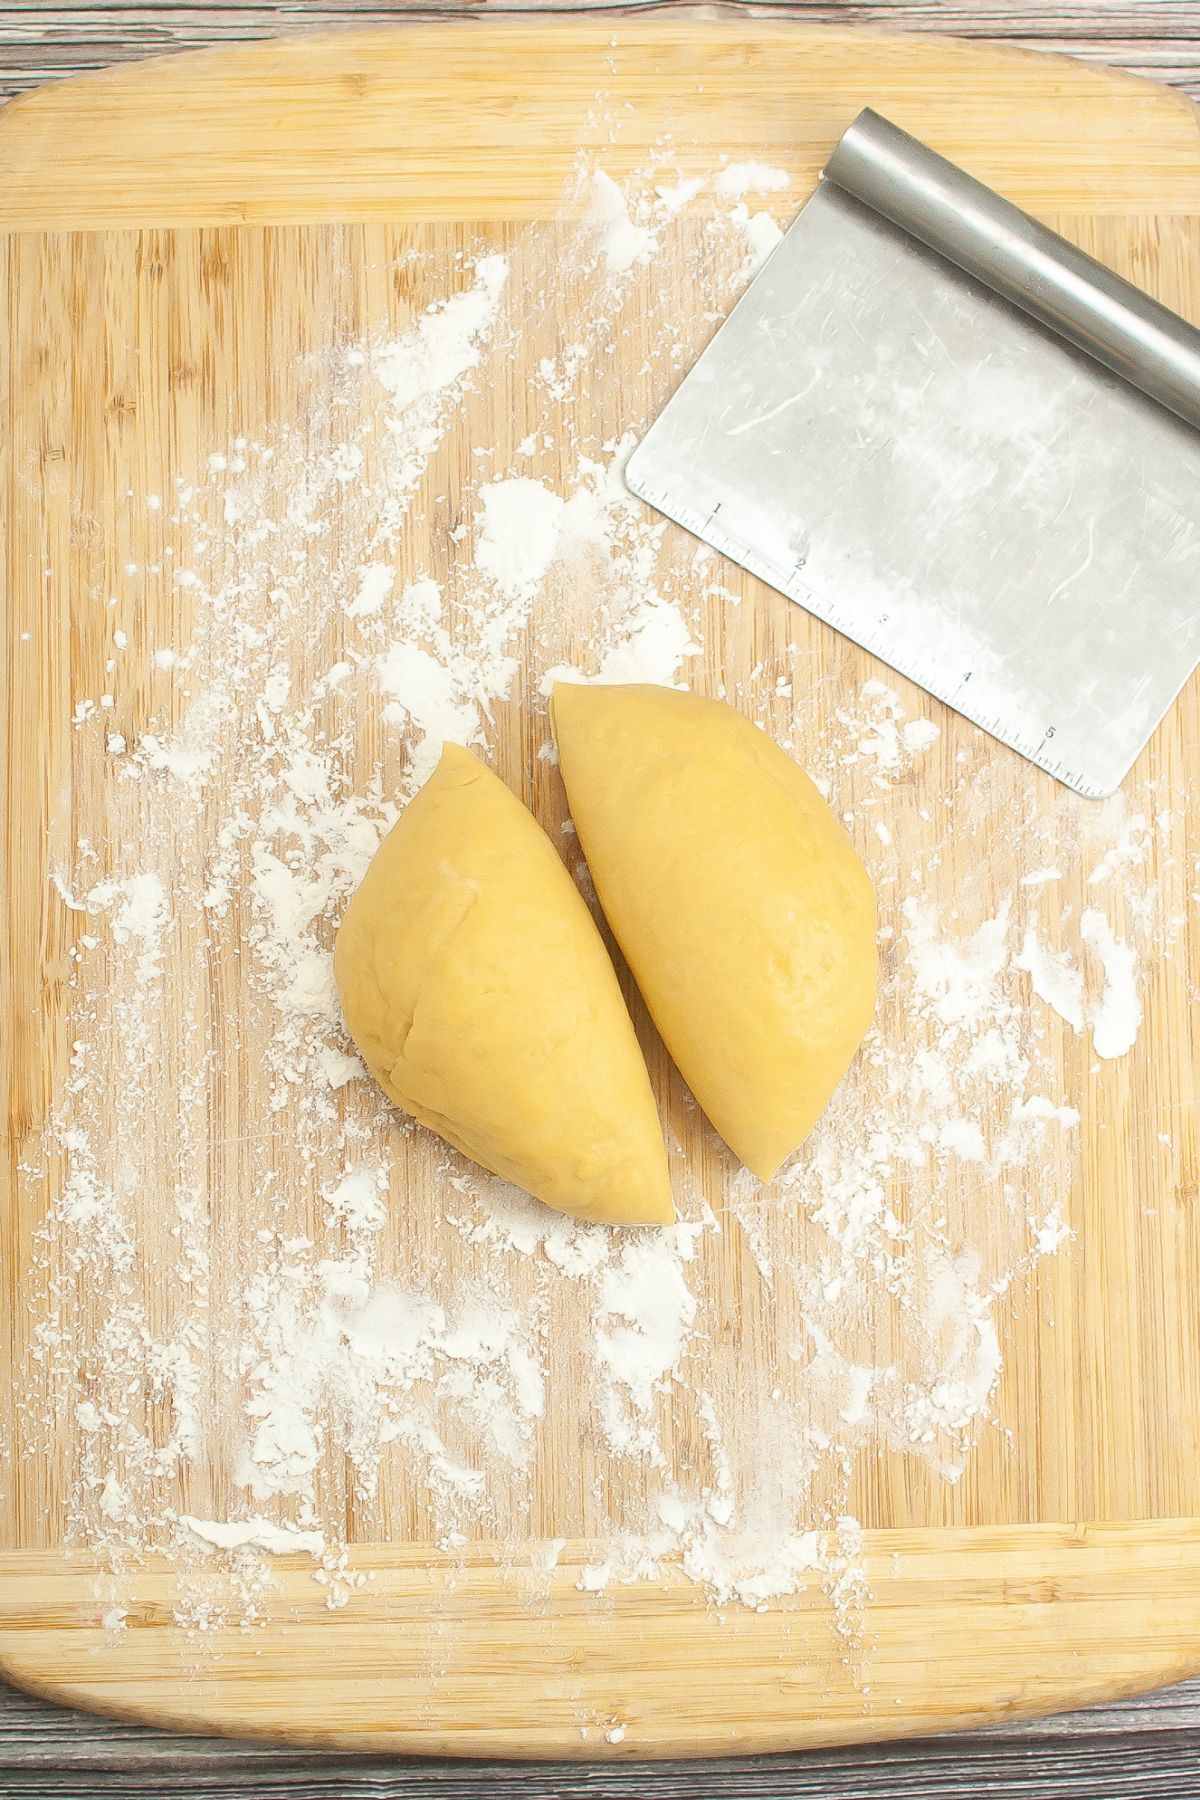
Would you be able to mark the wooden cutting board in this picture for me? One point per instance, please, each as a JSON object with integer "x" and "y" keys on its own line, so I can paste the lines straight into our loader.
{"x": 175, "y": 236}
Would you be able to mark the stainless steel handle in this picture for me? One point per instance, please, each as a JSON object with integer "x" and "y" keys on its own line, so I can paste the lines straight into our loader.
{"x": 935, "y": 201}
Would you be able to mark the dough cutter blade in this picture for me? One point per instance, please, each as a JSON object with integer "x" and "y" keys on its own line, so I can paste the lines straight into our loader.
{"x": 960, "y": 441}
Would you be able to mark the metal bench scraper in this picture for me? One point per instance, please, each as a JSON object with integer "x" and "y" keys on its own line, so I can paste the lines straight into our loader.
{"x": 960, "y": 441}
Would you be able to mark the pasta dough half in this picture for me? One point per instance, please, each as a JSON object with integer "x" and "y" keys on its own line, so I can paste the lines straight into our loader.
{"x": 478, "y": 989}
{"x": 736, "y": 897}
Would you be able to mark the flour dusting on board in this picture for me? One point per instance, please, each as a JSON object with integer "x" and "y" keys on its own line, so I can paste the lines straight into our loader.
{"x": 313, "y": 1343}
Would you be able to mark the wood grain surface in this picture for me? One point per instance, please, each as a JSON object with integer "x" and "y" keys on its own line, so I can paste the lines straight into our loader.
{"x": 1150, "y": 1745}
{"x": 1158, "y": 38}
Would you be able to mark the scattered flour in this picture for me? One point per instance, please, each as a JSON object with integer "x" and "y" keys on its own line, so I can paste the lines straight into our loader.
{"x": 624, "y": 242}
{"x": 741, "y": 178}
{"x": 1054, "y": 979}
{"x": 760, "y": 232}
{"x": 675, "y": 195}
{"x": 1114, "y": 1012}
{"x": 255, "y": 1534}
{"x": 423, "y": 368}
{"x": 655, "y": 645}
{"x": 376, "y": 581}
{"x": 645, "y": 1311}
{"x": 518, "y": 534}
{"x": 1118, "y": 1013}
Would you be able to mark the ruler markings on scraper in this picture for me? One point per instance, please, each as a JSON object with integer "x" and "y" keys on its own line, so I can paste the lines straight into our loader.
{"x": 788, "y": 581}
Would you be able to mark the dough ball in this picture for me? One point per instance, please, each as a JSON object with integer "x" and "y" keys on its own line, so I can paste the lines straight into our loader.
{"x": 478, "y": 989}
{"x": 741, "y": 907}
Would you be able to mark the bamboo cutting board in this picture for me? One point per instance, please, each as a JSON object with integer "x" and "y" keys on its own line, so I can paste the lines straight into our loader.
{"x": 176, "y": 237}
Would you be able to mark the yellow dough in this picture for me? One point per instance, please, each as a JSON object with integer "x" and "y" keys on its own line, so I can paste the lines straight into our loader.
{"x": 737, "y": 898}
{"x": 477, "y": 987}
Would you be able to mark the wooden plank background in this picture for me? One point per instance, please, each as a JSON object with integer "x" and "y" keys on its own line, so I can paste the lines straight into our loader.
{"x": 1132, "y": 1751}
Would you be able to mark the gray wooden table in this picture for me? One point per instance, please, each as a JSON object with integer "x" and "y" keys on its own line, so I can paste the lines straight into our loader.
{"x": 1147, "y": 1749}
